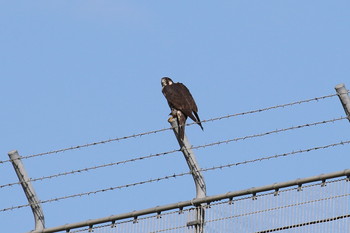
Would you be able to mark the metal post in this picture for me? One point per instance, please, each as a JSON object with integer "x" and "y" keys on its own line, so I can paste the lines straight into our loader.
{"x": 28, "y": 190}
{"x": 344, "y": 98}
{"x": 192, "y": 163}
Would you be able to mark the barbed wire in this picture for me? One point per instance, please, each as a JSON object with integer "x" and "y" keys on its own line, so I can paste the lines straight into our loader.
{"x": 89, "y": 144}
{"x": 176, "y": 150}
{"x": 93, "y": 168}
{"x": 276, "y": 156}
{"x": 270, "y": 108}
{"x": 165, "y": 129}
{"x": 180, "y": 175}
{"x": 272, "y": 132}
{"x": 100, "y": 190}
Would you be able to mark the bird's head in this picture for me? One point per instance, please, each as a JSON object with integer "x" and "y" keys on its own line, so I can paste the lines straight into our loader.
{"x": 166, "y": 81}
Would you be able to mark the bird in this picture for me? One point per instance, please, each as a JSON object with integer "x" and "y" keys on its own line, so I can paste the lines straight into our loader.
{"x": 181, "y": 103}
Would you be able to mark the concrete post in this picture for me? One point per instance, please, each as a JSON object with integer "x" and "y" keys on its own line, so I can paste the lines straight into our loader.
{"x": 344, "y": 98}
{"x": 201, "y": 191}
{"x": 28, "y": 190}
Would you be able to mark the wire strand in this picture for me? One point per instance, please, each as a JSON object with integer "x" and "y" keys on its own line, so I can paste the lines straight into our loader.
{"x": 176, "y": 150}
{"x": 165, "y": 129}
{"x": 180, "y": 174}
{"x": 276, "y": 156}
{"x": 269, "y": 108}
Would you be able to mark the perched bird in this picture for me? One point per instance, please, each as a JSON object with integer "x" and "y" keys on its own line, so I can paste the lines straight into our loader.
{"x": 181, "y": 103}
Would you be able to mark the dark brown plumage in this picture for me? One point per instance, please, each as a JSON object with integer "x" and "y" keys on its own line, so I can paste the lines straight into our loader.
{"x": 181, "y": 103}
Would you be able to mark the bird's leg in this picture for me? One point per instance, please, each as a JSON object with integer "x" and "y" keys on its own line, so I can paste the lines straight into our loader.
{"x": 171, "y": 119}
{"x": 173, "y": 115}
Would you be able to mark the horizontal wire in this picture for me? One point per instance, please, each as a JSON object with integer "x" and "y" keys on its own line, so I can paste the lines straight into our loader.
{"x": 165, "y": 129}
{"x": 89, "y": 144}
{"x": 99, "y": 191}
{"x": 179, "y": 175}
{"x": 173, "y": 151}
{"x": 276, "y": 156}
{"x": 269, "y": 108}
{"x": 92, "y": 168}
{"x": 272, "y": 132}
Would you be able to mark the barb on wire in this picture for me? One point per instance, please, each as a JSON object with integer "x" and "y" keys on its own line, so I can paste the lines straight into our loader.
{"x": 165, "y": 129}
{"x": 180, "y": 174}
{"x": 176, "y": 150}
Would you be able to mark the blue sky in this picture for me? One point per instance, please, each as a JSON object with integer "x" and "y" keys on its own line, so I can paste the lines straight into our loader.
{"x": 76, "y": 72}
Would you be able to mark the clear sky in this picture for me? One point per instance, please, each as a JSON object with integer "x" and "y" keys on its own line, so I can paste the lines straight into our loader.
{"x": 76, "y": 72}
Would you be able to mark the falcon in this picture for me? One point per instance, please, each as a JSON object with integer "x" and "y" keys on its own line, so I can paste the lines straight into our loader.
{"x": 181, "y": 103}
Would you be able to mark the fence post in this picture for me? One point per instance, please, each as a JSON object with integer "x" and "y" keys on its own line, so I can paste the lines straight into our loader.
{"x": 198, "y": 178}
{"x": 28, "y": 190}
{"x": 344, "y": 98}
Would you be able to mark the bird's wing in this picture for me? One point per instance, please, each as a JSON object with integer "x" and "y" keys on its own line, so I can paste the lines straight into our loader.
{"x": 179, "y": 97}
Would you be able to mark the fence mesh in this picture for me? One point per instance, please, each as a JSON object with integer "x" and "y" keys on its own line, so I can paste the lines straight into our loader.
{"x": 314, "y": 208}
{"x": 320, "y": 207}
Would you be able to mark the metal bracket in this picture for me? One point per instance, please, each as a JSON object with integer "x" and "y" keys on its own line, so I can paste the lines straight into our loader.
{"x": 254, "y": 197}
{"x": 193, "y": 223}
{"x": 113, "y": 225}
{"x": 230, "y": 201}
{"x": 300, "y": 188}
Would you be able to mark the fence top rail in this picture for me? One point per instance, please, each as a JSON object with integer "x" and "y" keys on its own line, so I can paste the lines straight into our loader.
{"x": 196, "y": 202}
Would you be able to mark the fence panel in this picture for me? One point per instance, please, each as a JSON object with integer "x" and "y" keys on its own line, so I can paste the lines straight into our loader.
{"x": 320, "y": 207}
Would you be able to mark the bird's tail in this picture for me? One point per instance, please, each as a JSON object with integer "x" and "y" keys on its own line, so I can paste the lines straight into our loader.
{"x": 198, "y": 121}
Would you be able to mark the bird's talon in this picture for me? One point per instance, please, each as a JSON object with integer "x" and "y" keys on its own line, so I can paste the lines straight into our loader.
{"x": 171, "y": 119}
